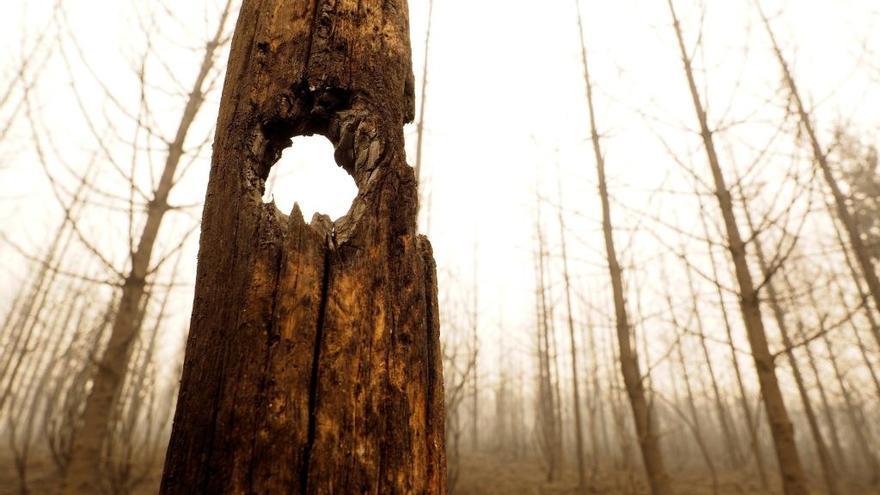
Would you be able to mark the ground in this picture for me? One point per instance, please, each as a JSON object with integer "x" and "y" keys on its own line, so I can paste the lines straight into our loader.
{"x": 481, "y": 474}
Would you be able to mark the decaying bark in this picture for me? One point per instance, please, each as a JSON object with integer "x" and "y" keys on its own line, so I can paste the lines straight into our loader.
{"x": 313, "y": 362}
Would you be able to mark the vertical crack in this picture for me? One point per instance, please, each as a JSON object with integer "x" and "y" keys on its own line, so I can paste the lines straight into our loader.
{"x": 313, "y": 379}
{"x": 272, "y": 336}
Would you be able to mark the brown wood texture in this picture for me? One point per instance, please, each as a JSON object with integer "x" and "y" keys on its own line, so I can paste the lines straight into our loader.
{"x": 313, "y": 362}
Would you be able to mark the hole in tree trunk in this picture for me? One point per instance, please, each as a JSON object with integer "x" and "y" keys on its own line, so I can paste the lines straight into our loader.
{"x": 307, "y": 174}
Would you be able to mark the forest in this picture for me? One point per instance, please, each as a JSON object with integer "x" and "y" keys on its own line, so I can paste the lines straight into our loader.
{"x": 465, "y": 247}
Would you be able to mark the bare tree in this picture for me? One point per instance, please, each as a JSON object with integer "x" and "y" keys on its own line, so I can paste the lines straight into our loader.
{"x": 420, "y": 118}
{"x": 820, "y": 157}
{"x": 645, "y": 424}
{"x": 575, "y": 371}
{"x": 793, "y": 479}
{"x": 83, "y": 473}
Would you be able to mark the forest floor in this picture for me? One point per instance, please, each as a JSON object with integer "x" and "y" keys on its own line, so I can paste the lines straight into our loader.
{"x": 485, "y": 474}
{"x": 481, "y": 474}
{"x": 42, "y": 478}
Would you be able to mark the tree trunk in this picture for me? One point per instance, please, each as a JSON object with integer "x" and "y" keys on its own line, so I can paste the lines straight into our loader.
{"x": 793, "y": 479}
{"x": 839, "y": 461}
{"x": 731, "y": 447}
{"x": 860, "y": 435}
{"x": 645, "y": 423}
{"x": 549, "y": 430}
{"x": 694, "y": 423}
{"x": 420, "y": 122}
{"x": 751, "y": 423}
{"x": 575, "y": 393}
{"x": 475, "y": 348}
{"x": 825, "y": 462}
{"x": 313, "y": 363}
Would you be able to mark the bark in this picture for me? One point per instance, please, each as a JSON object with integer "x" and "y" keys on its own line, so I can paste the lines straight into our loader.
{"x": 645, "y": 423}
{"x": 313, "y": 363}
{"x": 793, "y": 478}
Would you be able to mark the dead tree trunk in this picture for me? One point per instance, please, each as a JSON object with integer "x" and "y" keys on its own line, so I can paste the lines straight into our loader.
{"x": 793, "y": 479}
{"x": 313, "y": 363}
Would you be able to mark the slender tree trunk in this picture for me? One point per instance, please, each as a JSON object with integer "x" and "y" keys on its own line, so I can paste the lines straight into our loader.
{"x": 692, "y": 405}
{"x": 793, "y": 478}
{"x": 645, "y": 423}
{"x": 624, "y": 439}
{"x": 860, "y": 435}
{"x": 839, "y": 461}
{"x": 731, "y": 447}
{"x": 420, "y": 118}
{"x": 596, "y": 406}
{"x": 546, "y": 406}
{"x": 844, "y": 215}
{"x": 475, "y": 349}
{"x": 830, "y": 420}
{"x": 575, "y": 393}
{"x": 313, "y": 363}
{"x": 751, "y": 424}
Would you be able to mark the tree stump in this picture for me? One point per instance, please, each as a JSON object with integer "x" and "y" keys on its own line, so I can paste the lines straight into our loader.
{"x": 313, "y": 362}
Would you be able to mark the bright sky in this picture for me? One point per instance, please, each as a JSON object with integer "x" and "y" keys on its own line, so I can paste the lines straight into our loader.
{"x": 505, "y": 102}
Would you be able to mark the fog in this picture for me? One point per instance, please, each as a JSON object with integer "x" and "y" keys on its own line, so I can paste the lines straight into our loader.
{"x": 96, "y": 97}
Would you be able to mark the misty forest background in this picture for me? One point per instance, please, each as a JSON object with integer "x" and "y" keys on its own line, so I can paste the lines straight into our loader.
{"x": 620, "y": 197}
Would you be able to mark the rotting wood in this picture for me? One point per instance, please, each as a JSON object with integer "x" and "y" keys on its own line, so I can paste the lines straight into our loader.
{"x": 313, "y": 361}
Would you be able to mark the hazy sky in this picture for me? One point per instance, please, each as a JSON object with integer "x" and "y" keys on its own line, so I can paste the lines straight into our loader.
{"x": 505, "y": 104}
